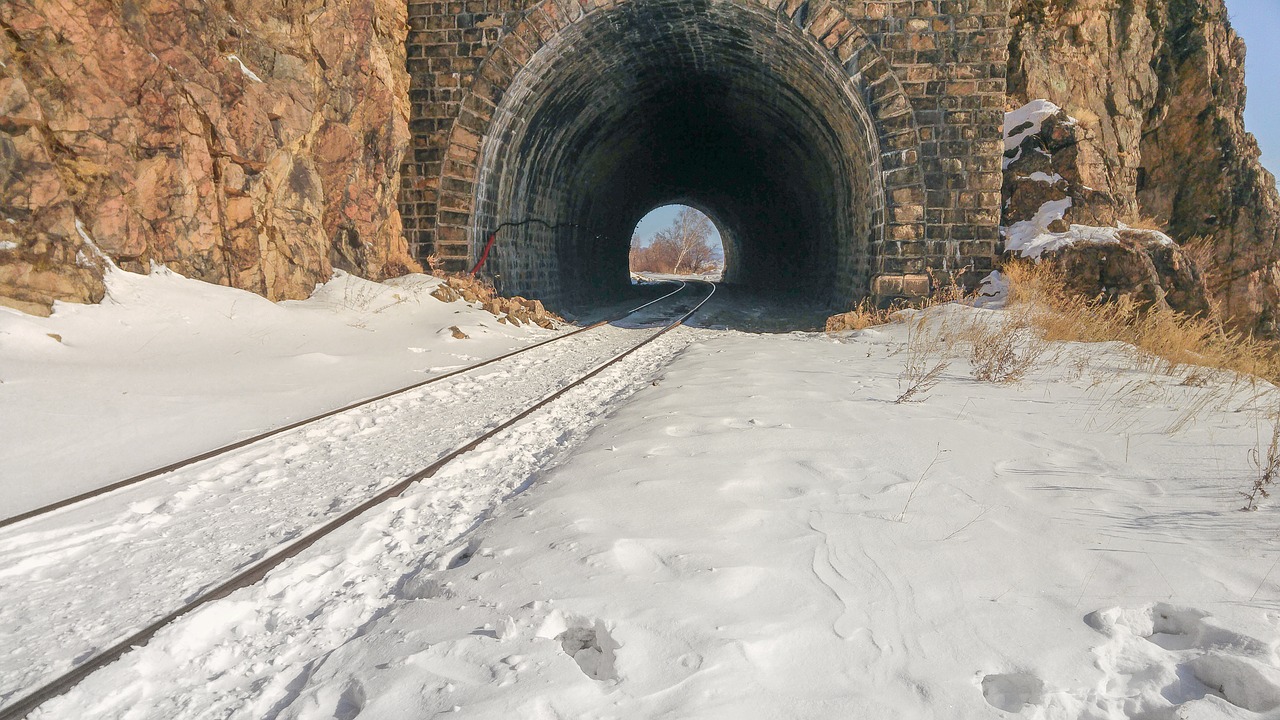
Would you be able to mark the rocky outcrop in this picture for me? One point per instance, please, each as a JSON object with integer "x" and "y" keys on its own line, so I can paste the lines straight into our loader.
{"x": 512, "y": 310}
{"x": 1157, "y": 87}
{"x": 1141, "y": 266}
{"x": 1048, "y": 159}
{"x": 257, "y": 143}
{"x": 252, "y": 143}
{"x": 1052, "y": 215}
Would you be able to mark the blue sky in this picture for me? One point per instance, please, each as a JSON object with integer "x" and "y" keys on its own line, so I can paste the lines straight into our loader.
{"x": 1258, "y": 22}
{"x": 660, "y": 218}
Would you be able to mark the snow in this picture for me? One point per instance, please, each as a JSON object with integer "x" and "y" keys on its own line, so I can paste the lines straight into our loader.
{"x": 993, "y": 291}
{"x": 166, "y": 367}
{"x": 244, "y": 69}
{"x": 1045, "y": 177}
{"x": 726, "y": 525}
{"x": 81, "y": 260}
{"x": 8, "y": 245}
{"x": 1033, "y": 238}
{"x": 1022, "y": 123}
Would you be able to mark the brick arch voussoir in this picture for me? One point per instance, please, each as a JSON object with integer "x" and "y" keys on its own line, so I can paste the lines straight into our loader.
{"x": 892, "y": 117}
{"x": 829, "y": 26}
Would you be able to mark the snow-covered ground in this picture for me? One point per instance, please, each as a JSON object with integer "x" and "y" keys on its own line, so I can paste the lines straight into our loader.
{"x": 747, "y": 526}
{"x": 167, "y": 367}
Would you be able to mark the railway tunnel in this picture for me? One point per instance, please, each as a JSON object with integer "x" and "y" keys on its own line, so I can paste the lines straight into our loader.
{"x": 829, "y": 143}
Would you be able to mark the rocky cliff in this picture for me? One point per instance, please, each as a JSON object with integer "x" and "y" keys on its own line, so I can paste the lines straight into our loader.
{"x": 253, "y": 143}
{"x": 257, "y": 143}
{"x": 1158, "y": 89}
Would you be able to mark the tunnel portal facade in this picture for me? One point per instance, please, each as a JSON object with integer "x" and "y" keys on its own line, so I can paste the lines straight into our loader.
{"x": 849, "y": 148}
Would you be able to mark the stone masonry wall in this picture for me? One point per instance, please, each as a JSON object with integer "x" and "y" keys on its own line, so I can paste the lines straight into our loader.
{"x": 931, "y": 72}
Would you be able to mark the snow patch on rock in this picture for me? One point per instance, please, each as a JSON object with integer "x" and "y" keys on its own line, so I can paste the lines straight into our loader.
{"x": 244, "y": 69}
{"x": 1024, "y": 122}
{"x": 993, "y": 291}
{"x": 1044, "y": 177}
{"x": 1033, "y": 238}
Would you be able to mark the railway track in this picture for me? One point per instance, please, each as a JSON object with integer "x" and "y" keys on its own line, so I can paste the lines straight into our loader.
{"x": 246, "y": 574}
{"x": 177, "y": 465}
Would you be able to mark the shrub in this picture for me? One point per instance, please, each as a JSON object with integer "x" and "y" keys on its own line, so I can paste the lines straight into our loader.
{"x": 927, "y": 360}
{"x": 1003, "y": 353}
{"x": 1166, "y": 340}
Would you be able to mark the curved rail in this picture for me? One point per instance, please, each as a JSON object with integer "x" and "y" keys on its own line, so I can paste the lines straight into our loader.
{"x": 135, "y": 479}
{"x": 259, "y": 570}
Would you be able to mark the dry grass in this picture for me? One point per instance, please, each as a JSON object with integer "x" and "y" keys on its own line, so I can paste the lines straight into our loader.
{"x": 1267, "y": 467}
{"x": 998, "y": 353}
{"x": 928, "y": 357}
{"x": 1165, "y": 340}
{"x": 1145, "y": 222}
{"x": 863, "y": 315}
{"x": 1200, "y": 251}
{"x": 1003, "y": 353}
{"x": 948, "y": 289}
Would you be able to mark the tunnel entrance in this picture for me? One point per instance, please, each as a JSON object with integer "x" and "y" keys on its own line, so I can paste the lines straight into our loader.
{"x": 847, "y": 149}
{"x": 677, "y": 240}
{"x": 695, "y": 101}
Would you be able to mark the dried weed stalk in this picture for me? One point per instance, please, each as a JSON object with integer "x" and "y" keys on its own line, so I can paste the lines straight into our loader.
{"x": 1267, "y": 468}
{"x": 928, "y": 357}
{"x": 1079, "y": 366}
{"x": 1003, "y": 353}
{"x": 911, "y": 496}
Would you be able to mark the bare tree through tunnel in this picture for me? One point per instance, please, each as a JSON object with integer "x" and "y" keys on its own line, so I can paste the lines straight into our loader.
{"x": 688, "y": 244}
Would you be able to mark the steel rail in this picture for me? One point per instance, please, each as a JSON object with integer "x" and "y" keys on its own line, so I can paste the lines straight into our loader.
{"x": 65, "y": 682}
{"x": 209, "y": 454}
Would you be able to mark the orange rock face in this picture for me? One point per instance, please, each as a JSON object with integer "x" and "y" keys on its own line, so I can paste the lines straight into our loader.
{"x": 252, "y": 144}
{"x": 1158, "y": 87}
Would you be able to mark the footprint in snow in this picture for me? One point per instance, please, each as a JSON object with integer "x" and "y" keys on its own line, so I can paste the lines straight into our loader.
{"x": 1012, "y": 691}
{"x": 589, "y": 642}
{"x": 421, "y": 586}
{"x": 460, "y": 556}
{"x": 351, "y": 702}
{"x": 1163, "y": 657}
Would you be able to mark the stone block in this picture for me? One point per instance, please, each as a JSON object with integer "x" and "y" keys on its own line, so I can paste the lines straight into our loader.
{"x": 916, "y": 285}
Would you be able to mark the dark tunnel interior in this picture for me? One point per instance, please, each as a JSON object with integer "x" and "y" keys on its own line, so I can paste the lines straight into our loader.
{"x": 730, "y": 110}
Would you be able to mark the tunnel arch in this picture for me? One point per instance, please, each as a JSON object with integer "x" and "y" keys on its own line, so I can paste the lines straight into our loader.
{"x": 854, "y": 144}
{"x": 731, "y": 107}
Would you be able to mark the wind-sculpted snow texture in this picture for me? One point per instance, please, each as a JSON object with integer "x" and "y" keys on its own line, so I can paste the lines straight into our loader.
{"x": 756, "y": 530}
{"x": 199, "y": 524}
{"x": 169, "y": 367}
